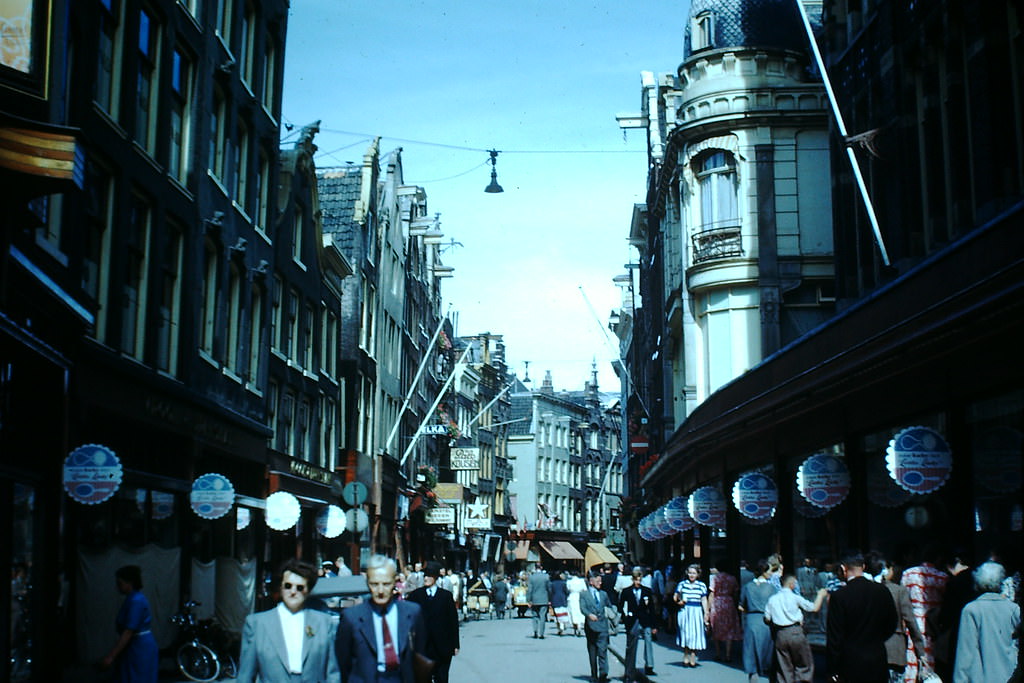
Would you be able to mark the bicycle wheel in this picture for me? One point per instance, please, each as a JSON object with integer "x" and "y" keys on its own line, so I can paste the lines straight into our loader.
{"x": 198, "y": 662}
{"x": 228, "y": 666}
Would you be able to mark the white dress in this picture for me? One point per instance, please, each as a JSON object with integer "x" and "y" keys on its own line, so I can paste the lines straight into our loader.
{"x": 575, "y": 585}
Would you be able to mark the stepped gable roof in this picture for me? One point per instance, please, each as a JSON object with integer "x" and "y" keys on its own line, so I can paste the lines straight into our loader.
{"x": 748, "y": 23}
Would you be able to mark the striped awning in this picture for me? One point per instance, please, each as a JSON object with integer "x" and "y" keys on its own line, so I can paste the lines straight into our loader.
{"x": 49, "y": 157}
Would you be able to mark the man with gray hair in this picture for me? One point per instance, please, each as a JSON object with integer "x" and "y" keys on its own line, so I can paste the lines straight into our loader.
{"x": 985, "y": 648}
{"x": 377, "y": 640}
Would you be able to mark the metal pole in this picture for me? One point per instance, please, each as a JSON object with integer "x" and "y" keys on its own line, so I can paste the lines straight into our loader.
{"x": 854, "y": 164}
{"x": 430, "y": 413}
{"x": 415, "y": 381}
{"x": 492, "y": 402}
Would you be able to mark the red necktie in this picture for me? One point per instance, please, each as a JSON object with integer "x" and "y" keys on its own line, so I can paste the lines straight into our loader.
{"x": 390, "y": 653}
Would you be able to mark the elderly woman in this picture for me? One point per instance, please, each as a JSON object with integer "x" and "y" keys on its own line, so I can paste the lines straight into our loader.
{"x": 985, "y": 649}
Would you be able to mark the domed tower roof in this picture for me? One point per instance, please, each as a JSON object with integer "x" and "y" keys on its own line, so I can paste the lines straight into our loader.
{"x": 771, "y": 24}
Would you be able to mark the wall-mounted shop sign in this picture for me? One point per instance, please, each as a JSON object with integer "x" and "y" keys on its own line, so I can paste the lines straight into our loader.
{"x": 478, "y": 516}
{"x": 919, "y": 459}
{"x": 465, "y": 458}
{"x": 283, "y": 510}
{"x": 440, "y": 515}
{"x": 311, "y": 472}
{"x": 212, "y": 496}
{"x": 92, "y": 474}
{"x": 678, "y": 515}
{"x": 330, "y": 522}
{"x": 449, "y": 492}
{"x": 823, "y": 480}
{"x": 707, "y": 506}
{"x": 755, "y": 495}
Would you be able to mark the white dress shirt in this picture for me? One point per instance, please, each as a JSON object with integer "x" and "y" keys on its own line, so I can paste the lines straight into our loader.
{"x": 785, "y": 608}
{"x": 292, "y": 625}
{"x": 392, "y": 616}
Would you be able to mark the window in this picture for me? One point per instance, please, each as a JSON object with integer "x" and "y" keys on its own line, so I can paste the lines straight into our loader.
{"x": 292, "y": 347}
{"x": 308, "y": 339}
{"x": 287, "y": 418}
{"x": 108, "y": 82}
{"x": 133, "y": 294}
{"x": 328, "y": 441}
{"x": 262, "y": 194}
{"x": 146, "y": 100}
{"x": 300, "y": 219}
{"x": 232, "y": 355}
{"x": 275, "y": 314}
{"x": 329, "y": 341}
{"x": 255, "y": 335}
{"x": 181, "y": 117}
{"x": 269, "y": 75}
{"x": 170, "y": 301}
{"x": 98, "y": 228}
{"x": 208, "y": 304}
{"x": 217, "y": 135}
{"x": 272, "y": 411}
{"x": 245, "y": 44}
{"x": 703, "y": 31}
{"x": 224, "y": 22}
{"x": 242, "y": 167}
{"x": 716, "y": 177}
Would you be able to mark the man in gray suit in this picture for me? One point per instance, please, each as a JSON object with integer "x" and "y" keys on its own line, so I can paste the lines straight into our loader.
{"x": 538, "y": 594}
{"x": 289, "y": 643}
{"x": 595, "y": 625}
{"x": 378, "y": 640}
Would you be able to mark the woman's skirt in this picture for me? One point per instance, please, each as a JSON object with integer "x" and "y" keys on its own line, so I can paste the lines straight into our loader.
{"x": 691, "y": 628}
{"x": 575, "y": 614}
{"x": 561, "y": 615}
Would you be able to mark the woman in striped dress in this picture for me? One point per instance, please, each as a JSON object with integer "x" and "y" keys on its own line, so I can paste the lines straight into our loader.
{"x": 694, "y": 615}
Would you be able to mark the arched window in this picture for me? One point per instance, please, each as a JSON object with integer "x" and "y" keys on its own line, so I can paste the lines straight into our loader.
{"x": 716, "y": 178}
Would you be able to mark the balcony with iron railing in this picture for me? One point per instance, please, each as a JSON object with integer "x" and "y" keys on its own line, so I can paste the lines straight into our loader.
{"x": 717, "y": 240}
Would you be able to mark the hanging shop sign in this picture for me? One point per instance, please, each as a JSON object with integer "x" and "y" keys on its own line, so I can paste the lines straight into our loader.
{"x": 997, "y": 461}
{"x": 919, "y": 460}
{"x": 755, "y": 495}
{"x": 660, "y": 523}
{"x": 92, "y": 474}
{"x": 823, "y": 480}
{"x": 465, "y": 458}
{"x": 678, "y": 515}
{"x": 212, "y": 496}
{"x": 707, "y": 506}
{"x": 283, "y": 510}
{"x": 882, "y": 490}
{"x": 441, "y": 515}
{"x": 330, "y": 522}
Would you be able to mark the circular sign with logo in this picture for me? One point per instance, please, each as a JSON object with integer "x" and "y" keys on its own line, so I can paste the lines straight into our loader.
{"x": 677, "y": 515}
{"x": 212, "y": 496}
{"x": 755, "y": 495}
{"x": 331, "y": 521}
{"x": 282, "y": 510}
{"x": 707, "y": 506}
{"x": 919, "y": 460}
{"x": 92, "y": 474}
{"x": 823, "y": 480}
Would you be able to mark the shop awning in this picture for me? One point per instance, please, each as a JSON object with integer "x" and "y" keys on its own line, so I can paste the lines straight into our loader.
{"x": 598, "y": 553}
{"x": 522, "y": 549}
{"x": 49, "y": 155}
{"x": 560, "y": 550}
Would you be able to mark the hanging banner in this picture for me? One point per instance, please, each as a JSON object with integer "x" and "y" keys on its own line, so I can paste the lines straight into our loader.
{"x": 755, "y": 495}
{"x": 283, "y": 510}
{"x": 707, "y": 507}
{"x": 330, "y": 522}
{"x": 919, "y": 460}
{"x": 997, "y": 461}
{"x": 678, "y": 515}
{"x": 212, "y": 496}
{"x": 823, "y": 480}
{"x": 92, "y": 474}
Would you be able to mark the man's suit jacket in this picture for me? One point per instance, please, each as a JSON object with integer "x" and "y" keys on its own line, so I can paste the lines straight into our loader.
{"x": 538, "y": 591}
{"x": 357, "y": 642}
{"x": 588, "y": 606}
{"x": 265, "y": 656}
{"x": 861, "y": 616}
{"x": 441, "y": 619}
{"x": 634, "y": 611}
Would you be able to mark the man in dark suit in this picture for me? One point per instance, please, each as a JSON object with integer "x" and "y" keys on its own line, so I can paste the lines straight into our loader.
{"x": 377, "y": 640}
{"x": 638, "y": 607}
{"x": 861, "y": 615}
{"x": 595, "y": 625}
{"x": 538, "y": 594}
{"x": 441, "y": 620}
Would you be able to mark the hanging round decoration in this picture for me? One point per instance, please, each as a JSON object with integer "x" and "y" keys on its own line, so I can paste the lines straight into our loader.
{"x": 661, "y": 523}
{"x": 882, "y": 490}
{"x": 919, "y": 460}
{"x": 997, "y": 461}
{"x": 652, "y": 527}
{"x": 642, "y": 530}
{"x": 92, "y": 474}
{"x": 707, "y": 506}
{"x": 212, "y": 496}
{"x": 677, "y": 515}
{"x": 802, "y": 507}
{"x": 755, "y": 495}
{"x": 331, "y": 521}
{"x": 282, "y": 510}
{"x": 163, "y": 504}
{"x": 823, "y": 480}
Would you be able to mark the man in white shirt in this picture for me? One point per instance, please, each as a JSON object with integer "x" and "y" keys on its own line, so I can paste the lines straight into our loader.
{"x": 289, "y": 643}
{"x": 785, "y": 614}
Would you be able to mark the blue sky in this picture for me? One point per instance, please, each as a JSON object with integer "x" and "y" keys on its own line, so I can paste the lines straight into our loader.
{"x": 539, "y": 81}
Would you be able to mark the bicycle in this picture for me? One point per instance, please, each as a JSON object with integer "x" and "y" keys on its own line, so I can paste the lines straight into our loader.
{"x": 199, "y": 657}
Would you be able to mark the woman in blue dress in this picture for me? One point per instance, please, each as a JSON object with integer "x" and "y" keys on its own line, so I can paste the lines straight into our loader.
{"x": 694, "y": 615}
{"x": 135, "y": 656}
{"x": 757, "y": 637}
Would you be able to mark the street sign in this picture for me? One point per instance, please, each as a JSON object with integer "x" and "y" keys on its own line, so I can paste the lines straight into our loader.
{"x": 356, "y": 520}
{"x": 354, "y": 493}
{"x": 465, "y": 458}
{"x": 435, "y": 430}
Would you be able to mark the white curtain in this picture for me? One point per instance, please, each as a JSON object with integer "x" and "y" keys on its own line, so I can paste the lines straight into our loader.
{"x": 236, "y": 592}
{"x": 204, "y": 588}
{"x": 98, "y": 601}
